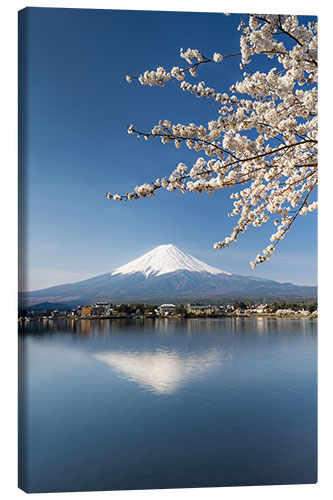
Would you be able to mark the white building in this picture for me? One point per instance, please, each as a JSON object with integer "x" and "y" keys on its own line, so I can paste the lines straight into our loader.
{"x": 261, "y": 309}
{"x": 167, "y": 308}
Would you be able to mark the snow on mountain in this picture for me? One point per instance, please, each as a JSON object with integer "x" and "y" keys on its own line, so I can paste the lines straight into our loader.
{"x": 163, "y": 371}
{"x": 166, "y": 259}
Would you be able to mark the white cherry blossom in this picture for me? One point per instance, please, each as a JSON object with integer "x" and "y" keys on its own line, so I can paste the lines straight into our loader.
{"x": 273, "y": 169}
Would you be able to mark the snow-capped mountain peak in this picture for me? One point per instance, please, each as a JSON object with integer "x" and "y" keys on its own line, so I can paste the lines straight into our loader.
{"x": 166, "y": 259}
{"x": 165, "y": 274}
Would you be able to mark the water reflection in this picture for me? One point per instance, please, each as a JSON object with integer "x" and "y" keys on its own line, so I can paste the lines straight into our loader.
{"x": 163, "y": 371}
{"x": 195, "y": 328}
{"x": 141, "y": 404}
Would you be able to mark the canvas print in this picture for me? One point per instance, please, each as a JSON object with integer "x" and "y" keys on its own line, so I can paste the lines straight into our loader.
{"x": 167, "y": 308}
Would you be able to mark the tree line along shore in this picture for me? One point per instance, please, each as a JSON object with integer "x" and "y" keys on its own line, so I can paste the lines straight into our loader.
{"x": 106, "y": 310}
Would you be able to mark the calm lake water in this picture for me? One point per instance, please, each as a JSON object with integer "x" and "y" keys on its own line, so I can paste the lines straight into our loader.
{"x": 141, "y": 404}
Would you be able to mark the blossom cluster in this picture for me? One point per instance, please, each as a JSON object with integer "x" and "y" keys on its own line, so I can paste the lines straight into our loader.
{"x": 274, "y": 168}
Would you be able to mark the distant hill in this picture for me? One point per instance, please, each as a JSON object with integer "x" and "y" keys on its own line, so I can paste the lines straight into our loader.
{"x": 165, "y": 274}
{"x": 48, "y": 305}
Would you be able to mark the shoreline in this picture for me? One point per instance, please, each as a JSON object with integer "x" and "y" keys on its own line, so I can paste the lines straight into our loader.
{"x": 179, "y": 318}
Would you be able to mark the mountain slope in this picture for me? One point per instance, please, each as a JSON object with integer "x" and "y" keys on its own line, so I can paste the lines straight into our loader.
{"x": 166, "y": 274}
{"x": 166, "y": 259}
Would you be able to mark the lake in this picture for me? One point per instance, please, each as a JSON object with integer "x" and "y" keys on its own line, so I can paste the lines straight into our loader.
{"x": 141, "y": 404}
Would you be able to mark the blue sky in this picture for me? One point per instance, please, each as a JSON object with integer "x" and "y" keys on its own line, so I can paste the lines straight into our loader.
{"x": 76, "y": 147}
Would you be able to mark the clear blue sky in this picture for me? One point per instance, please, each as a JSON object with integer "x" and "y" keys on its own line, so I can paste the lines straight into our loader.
{"x": 76, "y": 147}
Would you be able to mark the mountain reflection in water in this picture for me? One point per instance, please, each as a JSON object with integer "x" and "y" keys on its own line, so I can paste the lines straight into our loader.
{"x": 150, "y": 404}
{"x": 163, "y": 371}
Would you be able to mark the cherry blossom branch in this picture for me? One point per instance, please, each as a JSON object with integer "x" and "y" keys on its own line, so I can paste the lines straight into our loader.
{"x": 278, "y": 166}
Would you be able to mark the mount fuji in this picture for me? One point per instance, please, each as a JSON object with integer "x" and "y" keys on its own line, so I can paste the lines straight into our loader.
{"x": 166, "y": 259}
{"x": 166, "y": 274}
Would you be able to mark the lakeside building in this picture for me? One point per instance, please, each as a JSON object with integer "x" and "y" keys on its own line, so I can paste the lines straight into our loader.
{"x": 101, "y": 308}
{"x": 261, "y": 309}
{"x": 167, "y": 308}
{"x": 207, "y": 309}
{"x": 61, "y": 314}
{"x": 289, "y": 312}
{"x": 86, "y": 311}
